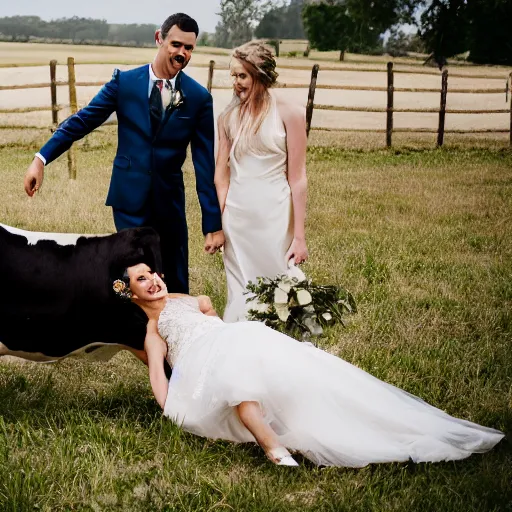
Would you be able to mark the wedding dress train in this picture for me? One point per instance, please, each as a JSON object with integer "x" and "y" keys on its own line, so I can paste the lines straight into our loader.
{"x": 320, "y": 405}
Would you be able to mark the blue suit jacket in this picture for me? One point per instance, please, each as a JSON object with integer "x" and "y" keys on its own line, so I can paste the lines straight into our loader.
{"x": 147, "y": 166}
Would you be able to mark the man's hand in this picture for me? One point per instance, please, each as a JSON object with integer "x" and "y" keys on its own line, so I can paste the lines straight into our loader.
{"x": 34, "y": 177}
{"x": 214, "y": 241}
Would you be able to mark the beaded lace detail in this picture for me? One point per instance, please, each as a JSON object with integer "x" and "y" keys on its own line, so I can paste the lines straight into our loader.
{"x": 180, "y": 323}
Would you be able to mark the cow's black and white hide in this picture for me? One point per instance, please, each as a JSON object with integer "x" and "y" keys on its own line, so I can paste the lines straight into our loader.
{"x": 56, "y": 296}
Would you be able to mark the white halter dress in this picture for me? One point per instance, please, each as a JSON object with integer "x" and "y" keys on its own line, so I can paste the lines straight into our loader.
{"x": 258, "y": 216}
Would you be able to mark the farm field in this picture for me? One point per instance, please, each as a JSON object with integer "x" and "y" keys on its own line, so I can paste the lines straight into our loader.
{"x": 95, "y": 64}
{"x": 422, "y": 237}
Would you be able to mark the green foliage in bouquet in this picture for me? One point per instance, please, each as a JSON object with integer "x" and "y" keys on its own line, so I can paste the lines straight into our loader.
{"x": 298, "y": 307}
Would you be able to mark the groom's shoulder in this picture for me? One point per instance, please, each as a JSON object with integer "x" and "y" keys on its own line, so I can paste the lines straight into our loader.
{"x": 129, "y": 73}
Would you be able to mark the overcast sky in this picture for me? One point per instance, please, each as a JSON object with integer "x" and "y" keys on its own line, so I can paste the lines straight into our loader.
{"x": 115, "y": 11}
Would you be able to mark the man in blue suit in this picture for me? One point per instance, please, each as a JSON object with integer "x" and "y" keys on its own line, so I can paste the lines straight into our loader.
{"x": 160, "y": 110}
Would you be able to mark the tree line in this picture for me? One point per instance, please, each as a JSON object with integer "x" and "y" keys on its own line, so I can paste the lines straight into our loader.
{"x": 479, "y": 28}
{"x": 76, "y": 30}
{"x": 444, "y": 28}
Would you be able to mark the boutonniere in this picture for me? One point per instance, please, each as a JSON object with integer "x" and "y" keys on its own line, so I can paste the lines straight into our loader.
{"x": 171, "y": 98}
{"x": 176, "y": 99}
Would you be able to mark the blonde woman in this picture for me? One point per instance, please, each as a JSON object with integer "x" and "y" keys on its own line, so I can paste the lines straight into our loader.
{"x": 260, "y": 177}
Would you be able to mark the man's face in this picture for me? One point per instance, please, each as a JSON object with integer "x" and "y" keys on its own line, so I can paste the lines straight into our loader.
{"x": 174, "y": 51}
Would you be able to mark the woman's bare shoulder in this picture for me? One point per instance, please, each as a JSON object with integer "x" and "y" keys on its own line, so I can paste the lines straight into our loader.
{"x": 289, "y": 111}
{"x": 172, "y": 295}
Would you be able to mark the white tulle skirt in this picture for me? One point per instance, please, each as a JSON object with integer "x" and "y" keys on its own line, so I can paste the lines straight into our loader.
{"x": 327, "y": 409}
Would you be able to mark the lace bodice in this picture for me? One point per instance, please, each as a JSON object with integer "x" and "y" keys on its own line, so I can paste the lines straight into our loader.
{"x": 181, "y": 322}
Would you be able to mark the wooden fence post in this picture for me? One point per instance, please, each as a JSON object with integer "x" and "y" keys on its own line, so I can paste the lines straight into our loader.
{"x": 510, "y": 92}
{"x": 74, "y": 108}
{"x": 389, "y": 109}
{"x": 210, "y": 76}
{"x": 442, "y": 108}
{"x": 311, "y": 98}
{"x": 53, "y": 91}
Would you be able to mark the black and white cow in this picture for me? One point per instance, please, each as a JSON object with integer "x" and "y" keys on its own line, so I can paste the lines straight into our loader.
{"x": 56, "y": 296}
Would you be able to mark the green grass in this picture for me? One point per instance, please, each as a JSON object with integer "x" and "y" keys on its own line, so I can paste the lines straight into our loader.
{"x": 423, "y": 240}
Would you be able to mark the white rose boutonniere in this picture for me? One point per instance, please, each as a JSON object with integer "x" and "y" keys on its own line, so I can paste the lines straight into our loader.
{"x": 171, "y": 98}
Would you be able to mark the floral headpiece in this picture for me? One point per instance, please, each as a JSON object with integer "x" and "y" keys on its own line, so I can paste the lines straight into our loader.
{"x": 121, "y": 289}
{"x": 260, "y": 57}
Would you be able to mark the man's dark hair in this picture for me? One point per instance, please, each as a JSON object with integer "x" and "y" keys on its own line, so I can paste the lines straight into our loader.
{"x": 183, "y": 21}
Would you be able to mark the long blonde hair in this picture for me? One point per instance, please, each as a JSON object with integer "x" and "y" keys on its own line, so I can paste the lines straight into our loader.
{"x": 247, "y": 117}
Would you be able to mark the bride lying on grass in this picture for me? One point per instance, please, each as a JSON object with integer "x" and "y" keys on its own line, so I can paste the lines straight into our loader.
{"x": 246, "y": 382}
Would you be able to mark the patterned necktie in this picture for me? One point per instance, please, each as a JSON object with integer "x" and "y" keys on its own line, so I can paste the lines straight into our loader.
{"x": 155, "y": 105}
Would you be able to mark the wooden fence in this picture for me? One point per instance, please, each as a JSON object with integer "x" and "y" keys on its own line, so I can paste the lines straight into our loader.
{"x": 313, "y": 86}
{"x": 390, "y": 109}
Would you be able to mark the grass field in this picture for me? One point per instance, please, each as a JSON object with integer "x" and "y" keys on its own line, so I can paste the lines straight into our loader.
{"x": 423, "y": 240}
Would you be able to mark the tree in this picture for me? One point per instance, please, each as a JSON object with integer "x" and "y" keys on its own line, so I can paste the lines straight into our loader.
{"x": 489, "y": 37}
{"x": 271, "y": 25}
{"x": 328, "y": 27}
{"x": 238, "y": 18}
{"x": 400, "y": 44}
{"x": 353, "y": 25}
{"x": 450, "y": 27}
{"x": 205, "y": 39}
{"x": 78, "y": 30}
{"x": 283, "y": 22}
{"x": 444, "y": 29}
{"x": 21, "y": 27}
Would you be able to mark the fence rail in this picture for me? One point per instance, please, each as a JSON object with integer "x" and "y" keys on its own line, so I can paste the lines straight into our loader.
{"x": 408, "y": 110}
{"x": 389, "y": 109}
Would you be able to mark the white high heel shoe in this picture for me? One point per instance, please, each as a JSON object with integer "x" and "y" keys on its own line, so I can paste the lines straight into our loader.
{"x": 281, "y": 456}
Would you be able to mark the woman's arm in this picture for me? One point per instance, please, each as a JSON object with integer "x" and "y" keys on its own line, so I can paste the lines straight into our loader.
{"x": 295, "y": 124}
{"x": 222, "y": 164}
{"x": 156, "y": 350}
{"x": 205, "y": 305}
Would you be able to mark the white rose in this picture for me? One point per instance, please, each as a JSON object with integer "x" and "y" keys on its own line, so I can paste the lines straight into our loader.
{"x": 284, "y": 286}
{"x": 282, "y": 312}
{"x": 280, "y": 296}
{"x": 304, "y": 297}
{"x": 178, "y": 100}
{"x": 260, "y": 307}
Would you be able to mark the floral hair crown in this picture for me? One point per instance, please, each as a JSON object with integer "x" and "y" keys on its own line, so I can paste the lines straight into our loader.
{"x": 121, "y": 289}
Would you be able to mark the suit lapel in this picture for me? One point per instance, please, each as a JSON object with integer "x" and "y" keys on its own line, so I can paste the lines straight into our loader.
{"x": 141, "y": 84}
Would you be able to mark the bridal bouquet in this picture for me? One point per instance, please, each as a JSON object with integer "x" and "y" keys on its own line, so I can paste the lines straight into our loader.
{"x": 297, "y": 306}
